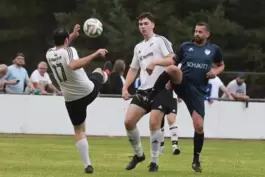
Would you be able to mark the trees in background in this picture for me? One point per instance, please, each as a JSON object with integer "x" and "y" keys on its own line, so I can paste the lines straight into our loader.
{"x": 237, "y": 26}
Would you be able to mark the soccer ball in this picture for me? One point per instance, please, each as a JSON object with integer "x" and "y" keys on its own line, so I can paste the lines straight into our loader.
{"x": 93, "y": 27}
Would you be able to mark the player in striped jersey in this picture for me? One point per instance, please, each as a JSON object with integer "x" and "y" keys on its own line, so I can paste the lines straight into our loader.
{"x": 78, "y": 90}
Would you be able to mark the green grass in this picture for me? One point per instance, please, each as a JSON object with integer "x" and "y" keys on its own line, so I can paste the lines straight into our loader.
{"x": 56, "y": 156}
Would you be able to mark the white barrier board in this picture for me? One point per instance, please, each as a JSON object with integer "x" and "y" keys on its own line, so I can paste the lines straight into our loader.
{"x": 105, "y": 117}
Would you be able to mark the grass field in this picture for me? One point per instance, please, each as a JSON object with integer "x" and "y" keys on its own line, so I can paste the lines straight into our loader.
{"x": 56, "y": 156}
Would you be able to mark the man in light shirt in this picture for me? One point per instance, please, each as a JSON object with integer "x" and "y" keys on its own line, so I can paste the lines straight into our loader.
{"x": 238, "y": 88}
{"x": 41, "y": 80}
{"x": 214, "y": 85}
{"x": 17, "y": 76}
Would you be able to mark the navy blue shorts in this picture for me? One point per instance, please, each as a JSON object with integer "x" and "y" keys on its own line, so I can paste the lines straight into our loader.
{"x": 192, "y": 96}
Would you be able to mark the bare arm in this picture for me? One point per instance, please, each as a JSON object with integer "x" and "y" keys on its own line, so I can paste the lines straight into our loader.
{"x": 226, "y": 91}
{"x": 219, "y": 67}
{"x": 30, "y": 84}
{"x": 168, "y": 60}
{"x": 74, "y": 34}
{"x": 80, "y": 63}
{"x": 131, "y": 75}
{"x": 53, "y": 88}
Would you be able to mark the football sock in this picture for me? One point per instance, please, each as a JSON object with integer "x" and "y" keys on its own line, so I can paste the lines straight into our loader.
{"x": 83, "y": 148}
{"x": 198, "y": 144}
{"x": 134, "y": 138}
{"x": 155, "y": 140}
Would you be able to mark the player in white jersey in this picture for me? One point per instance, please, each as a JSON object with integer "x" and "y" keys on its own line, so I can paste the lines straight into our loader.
{"x": 78, "y": 90}
{"x": 152, "y": 48}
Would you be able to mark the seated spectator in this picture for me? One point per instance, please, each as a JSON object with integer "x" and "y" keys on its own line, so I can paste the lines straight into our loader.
{"x": 238, "y": 88}
{"x": 213, "y": 87}
{"x": 17, "y": 77}
{"x": 41, "y": 80}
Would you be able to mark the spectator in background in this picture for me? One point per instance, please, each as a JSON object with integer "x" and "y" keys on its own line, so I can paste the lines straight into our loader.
{"x": 17, "y": 76}
{"x": 116, "y": 77}
{"x": 213, "y": 87}
{"x": 238, "y": 88}
{"x": 3, "y": 71}
{"x": 41, "y": 80}
{"x": 116, "y": 80}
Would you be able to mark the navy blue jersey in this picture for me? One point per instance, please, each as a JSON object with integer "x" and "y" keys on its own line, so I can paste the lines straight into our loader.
{"x": 196, "y": 61}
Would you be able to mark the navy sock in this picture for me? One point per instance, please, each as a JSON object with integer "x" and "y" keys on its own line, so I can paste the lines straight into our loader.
{"x": 198, "y": 144}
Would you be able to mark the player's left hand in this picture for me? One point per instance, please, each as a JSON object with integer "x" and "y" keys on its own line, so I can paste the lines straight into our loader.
{"x": 211, "y": 74}
{"x": 149, "y": 69}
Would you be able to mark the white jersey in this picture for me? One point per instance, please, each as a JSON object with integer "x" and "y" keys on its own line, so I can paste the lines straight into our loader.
{"x": 145, "y": 52}
{"x": 74, "y": 84}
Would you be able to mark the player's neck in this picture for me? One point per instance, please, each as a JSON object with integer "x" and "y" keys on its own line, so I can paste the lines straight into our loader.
{"x": 200, "y": 44}
{"x": 148, "y": 36}
{"x": 59, "y": 47}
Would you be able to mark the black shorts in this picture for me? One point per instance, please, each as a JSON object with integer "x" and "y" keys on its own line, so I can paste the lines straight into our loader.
{"x": 192, "y": 96}
{"x": 77, "y": 109}
{"x": 164, "y": 101}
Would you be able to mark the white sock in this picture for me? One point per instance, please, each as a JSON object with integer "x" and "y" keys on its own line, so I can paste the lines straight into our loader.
{"x": 174, "y": 135}
{"x": 155, "y": 140}
{"x": 83, "y": 148}
{"x": 134, "y": 138}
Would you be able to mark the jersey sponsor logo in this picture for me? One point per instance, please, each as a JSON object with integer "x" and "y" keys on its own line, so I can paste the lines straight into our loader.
{"x": 146, "y": 56}
{"x": 56, "y": 58}
{"x": 197, "y": 65}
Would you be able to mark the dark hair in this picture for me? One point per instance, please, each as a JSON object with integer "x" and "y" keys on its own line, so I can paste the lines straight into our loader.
{"x": 147, "y": 15}
{"x": 59, "y": 36}
{"x": 204, "y": 24}
{"x": 19, "y": 54}
{"x": 118, "y": 66}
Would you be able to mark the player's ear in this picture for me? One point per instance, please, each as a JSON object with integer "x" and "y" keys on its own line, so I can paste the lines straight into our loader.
{"x": 208, "y": 34}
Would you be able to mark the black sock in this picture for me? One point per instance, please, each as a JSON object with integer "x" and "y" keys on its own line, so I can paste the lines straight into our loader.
{"x": 175, "y": 142}
{"x": 162, "y": 143}
{"x": 159, "y": 85}
{"x": 198, "y": 144}
{"x": 163, "y": 123}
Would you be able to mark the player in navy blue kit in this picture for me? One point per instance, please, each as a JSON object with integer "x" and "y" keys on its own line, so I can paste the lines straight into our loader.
{"x": 189, "y": 82}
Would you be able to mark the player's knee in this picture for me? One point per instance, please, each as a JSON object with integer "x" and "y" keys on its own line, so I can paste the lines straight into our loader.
{"x": 197, "y": 122}
{"x": 175, "y": 73}
{"x": 129, "y": 123}
{"x": 156, "y": 118}
{"x": 171, "y": 118}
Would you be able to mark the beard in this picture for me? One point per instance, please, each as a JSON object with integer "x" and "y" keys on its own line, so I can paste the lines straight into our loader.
{"x": 239, "y": 83}
{"x": 198, "y": 40}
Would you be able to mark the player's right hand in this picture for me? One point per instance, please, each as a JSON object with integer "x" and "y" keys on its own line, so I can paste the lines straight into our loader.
{"x": 125, "y": 94}
{"x": 102, "y": 52}
{"x": 149, "y": 69}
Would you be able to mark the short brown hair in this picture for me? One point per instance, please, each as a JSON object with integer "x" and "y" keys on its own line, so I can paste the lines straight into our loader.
{"x": 204, "y": 24}
{"x": 118, "y": 66}
{"x": 147, "y": 15}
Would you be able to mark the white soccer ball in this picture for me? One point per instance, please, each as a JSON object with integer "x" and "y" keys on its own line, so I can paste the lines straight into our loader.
{"x": 93, "y": 27}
